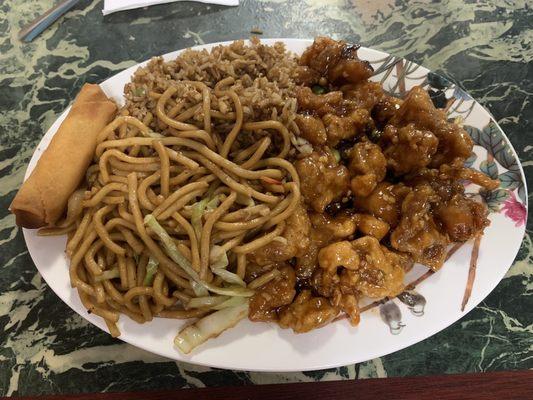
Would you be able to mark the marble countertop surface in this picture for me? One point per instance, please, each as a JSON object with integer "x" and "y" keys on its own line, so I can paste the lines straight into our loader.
{"x": 45, "y": 347}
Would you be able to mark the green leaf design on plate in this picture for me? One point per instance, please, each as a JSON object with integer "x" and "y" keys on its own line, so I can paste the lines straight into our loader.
{"x": 492, "y": 139}
{"x": 489, "y": 167}
{"x": 471, "y": 160}
{"x": 476, "y": 134}
{"x": 510, "y": 180}
{"x": 522, "y": 192}
{"x": 507, "y": 159}
{"x": 494, "y": 198}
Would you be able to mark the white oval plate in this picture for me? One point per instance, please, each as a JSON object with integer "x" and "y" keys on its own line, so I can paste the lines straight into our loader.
{"x": 266, "y": 347}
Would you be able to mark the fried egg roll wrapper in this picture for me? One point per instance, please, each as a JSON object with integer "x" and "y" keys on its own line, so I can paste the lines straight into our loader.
{"x": 42, "y": 199}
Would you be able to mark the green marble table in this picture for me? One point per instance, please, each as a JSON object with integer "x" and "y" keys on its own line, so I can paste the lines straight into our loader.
{"x": 46, "y": 348}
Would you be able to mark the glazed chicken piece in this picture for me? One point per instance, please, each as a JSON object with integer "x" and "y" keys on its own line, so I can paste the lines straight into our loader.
{"x": 307, "y": 313}
{"x": 266, "y": 301}
{"x": 456, "y": 171}
{"x": 418, "y": 108}
{"x": 307, "y": 263}
{"x": 306, "y": 76}
{"x": 254, "y": 270}
{"x": 371, "y": 226}
{"x": 318, "y": 104}
{"x": 339, "y": 254}
{"x": 322, "y": 54}
{"x": 347, "y": 126}
{"x": 325, "y": 229}
{"x": 311, "y": 129}
{"x": 361, "y": 266}
{"x": 336, "y": 261}
{"x": 349, "y": 304}
{"x": 331, "y": 228}
{"x": 364, "y": 94}
{"x": 417, "y": 232}
{"x": 296, "y": 235}
{"x": 403, "y": 260}
{"x": 408, "y": 149}
{"x": 322, "y": 179}
{"x": 462, "y": 218}
{"x": 384, "y": 110}
{"x": 368, "y": 167}
{"x": 446, "y": 181}
{"x": 350, "y": 68}
{"x": 442, "y": 185}
{"x": 459, "y": 217}
{"x": 336, "y": 60}
{"x": 380, "y": 273}
{"x": 384, "y": 202}
{"x": 454, "y": 143}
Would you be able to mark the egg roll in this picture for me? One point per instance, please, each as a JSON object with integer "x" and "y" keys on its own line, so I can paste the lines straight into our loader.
{"x": 42, "y": 198}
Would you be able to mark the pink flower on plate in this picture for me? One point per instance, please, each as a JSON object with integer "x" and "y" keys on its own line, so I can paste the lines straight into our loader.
{"x": 515, "y": 210}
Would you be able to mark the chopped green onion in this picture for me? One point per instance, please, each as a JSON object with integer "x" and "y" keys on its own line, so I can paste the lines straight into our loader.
{"x": 208, "y": 301}
{"x": 318, "y": 89}
{"x": 337, "y": 155}
{"x": 181, "y": 260}
{"x": 375, "y": 135}
{"x": 151, "y": 269}
{"x": 229, "y": 277}
{"x": 139, "y": 92}
{"x": 210, "y": 326}
{"x": 109, "y": 274}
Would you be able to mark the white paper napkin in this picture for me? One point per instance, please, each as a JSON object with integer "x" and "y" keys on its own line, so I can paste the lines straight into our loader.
{"x": 111, "y": 6}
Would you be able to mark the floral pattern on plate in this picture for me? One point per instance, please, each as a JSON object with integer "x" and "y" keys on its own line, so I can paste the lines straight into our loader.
{"x": 492, "y": 155}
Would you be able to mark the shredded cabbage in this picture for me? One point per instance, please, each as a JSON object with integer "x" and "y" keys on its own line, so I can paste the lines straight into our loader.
{"x": 229, "y": 277}
{"x": 198, "y": 209}
{"x": 210, "y": 326}
{"x": 109, "y": 274}
{"x": 208, "y": 301}
{"x": 230, "y": 290}
{"x": 212, "y": 204}
{"x": 231, "y": 302}
{"x": 196, "y": 216}
{"x": 218, "y": 258}
{"x": 151, "y": 269}
{"x": 198, "y": 289}
{"x": 181, "y": 260}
